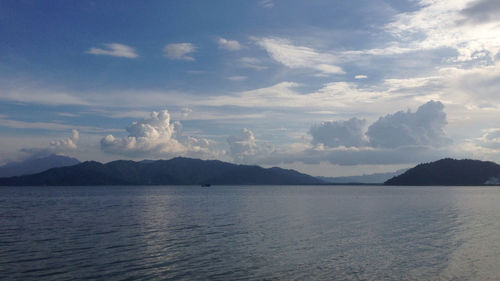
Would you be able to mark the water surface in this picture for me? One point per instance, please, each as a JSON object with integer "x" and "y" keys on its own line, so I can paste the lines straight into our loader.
{"x": 250, "y": 232}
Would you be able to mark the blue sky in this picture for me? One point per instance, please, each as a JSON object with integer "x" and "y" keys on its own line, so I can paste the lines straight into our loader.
{"x": 325, "y": 87}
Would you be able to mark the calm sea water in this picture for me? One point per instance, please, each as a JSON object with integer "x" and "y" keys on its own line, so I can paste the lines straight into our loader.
{"x": 250, "y": 232}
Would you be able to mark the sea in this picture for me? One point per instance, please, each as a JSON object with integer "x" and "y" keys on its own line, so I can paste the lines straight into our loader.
{"x": 250, "y": 233}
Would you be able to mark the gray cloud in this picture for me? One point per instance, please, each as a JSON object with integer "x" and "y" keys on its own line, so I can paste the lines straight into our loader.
{"x": 399, "y": 138}
{"x": 339, "y": 133}
{"x": 424, "y": 127}
{"x": 482, "y": 11}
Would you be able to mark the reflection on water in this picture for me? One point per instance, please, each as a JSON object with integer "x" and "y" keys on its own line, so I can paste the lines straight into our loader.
{"x": 250, "y": 232}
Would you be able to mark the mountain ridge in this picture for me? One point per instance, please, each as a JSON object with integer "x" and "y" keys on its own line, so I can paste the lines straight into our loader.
{"x": 175, "y": 171}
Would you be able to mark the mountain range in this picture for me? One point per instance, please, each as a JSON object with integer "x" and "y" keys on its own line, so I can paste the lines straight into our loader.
{"x": 59, "y": 170}
{"x": 376, "y": 178}
{"x": 176, "y": 171}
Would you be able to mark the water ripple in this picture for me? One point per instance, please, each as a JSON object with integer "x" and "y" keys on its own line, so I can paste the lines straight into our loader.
{"x": 250, "y": 233}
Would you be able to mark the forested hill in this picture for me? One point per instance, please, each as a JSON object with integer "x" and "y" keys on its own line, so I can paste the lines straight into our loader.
{"x": 176, "y": 171}
{"x": 450, "y": 172}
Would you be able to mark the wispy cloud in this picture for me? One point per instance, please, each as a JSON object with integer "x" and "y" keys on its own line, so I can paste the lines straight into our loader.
{"x": 230, "y": 45}
{"x": 115, "y": 50}
{"x": 253, "y": 63}
{"x": 17, "y": 124}
{"x": 127, "y": 114}
{"x": 280, "y": 95}
{"x": 179, "y": 51}
{"x": 49, "y": 126}
{"x": 267, "y": 3}
{"x": 284, "y": 95}
{"x": 67, "y": 114}
{"x": 293, "y": 56}
{"x": 440, "y": 24}
{"x": 237, "y": 78}
{"x": 31, "y": 94}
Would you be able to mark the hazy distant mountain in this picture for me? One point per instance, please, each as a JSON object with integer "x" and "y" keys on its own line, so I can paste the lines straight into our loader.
{"x": 36, "y": 165}
{"x": 370, "y": 178}
{"x": 176, "y": 171}
{"x": 450, "y": 172}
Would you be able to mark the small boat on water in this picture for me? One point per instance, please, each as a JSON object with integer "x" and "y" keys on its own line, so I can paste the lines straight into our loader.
{"x": 206, "y": 185}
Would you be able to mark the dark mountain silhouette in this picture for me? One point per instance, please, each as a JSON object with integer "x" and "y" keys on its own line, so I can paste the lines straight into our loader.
{"x": 36, "y": 165}
{"x": 369, "y": 178}
{"x": 450, "y": 172}
{"x": 176, "y": 171}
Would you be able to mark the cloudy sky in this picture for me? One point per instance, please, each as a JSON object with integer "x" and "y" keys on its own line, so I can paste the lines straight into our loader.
{"x": 326, "y": 87}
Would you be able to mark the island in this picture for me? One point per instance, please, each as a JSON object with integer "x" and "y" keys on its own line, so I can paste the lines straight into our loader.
{"x": 450, "y": 172}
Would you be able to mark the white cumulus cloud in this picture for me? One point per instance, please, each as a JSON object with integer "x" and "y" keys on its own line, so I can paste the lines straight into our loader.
{"x": 115, "y": 50}
{"x": 179, "y": 51}
{"x": 157, "y": 136}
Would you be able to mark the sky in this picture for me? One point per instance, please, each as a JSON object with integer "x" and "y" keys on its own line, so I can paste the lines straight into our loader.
{"x": 330, "y": 88}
